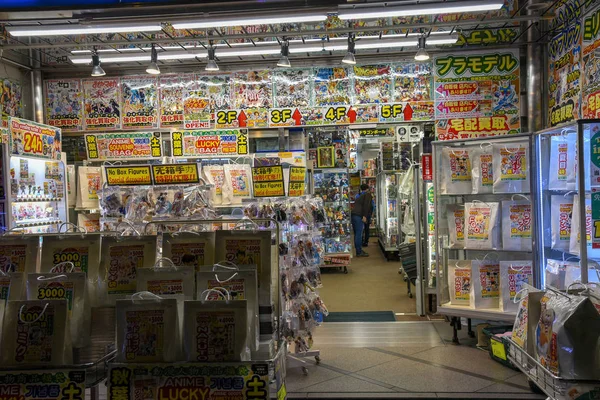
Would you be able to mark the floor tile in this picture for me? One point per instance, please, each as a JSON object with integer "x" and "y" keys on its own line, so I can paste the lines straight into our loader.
{"x": 296, "y": 381}
{"x": 347, "y": 384}
{"x": 418, "y": 377}
{"x": 353, "y": 359}
{"x": 503, "y": 388}
{"x": 468, "y": 359}
{"x": 407, "y": 350}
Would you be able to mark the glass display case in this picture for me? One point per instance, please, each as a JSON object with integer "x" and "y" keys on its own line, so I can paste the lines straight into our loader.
{"x": 332, "y": 185}
{"x": 484, "y": 197}
{"x": 569, "y": 245}
{"x": 388, "y": 210}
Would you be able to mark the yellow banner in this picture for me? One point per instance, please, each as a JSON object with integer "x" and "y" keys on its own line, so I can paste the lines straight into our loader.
{"x": 297, "y": 174}
{"x": 123, "y": 176}
{"x": 267, "y": 174}
{"x": 269, "y": 189}
{"x": 175, "y": 173}
{"x": 296, "y": 189}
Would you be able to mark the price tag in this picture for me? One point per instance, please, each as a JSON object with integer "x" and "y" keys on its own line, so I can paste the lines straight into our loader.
{"x": 168, "y": 174}
{"x": 127, "y": 176}
{"x": 498, "y": 349}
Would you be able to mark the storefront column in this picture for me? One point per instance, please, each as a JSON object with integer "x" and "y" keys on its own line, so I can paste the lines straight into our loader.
{"x": 536, "y": 84}
{"x": 37, "y": 92}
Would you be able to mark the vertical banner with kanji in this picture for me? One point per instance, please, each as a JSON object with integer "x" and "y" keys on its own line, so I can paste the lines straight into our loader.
{"x": 564, "y": 68}
{"x": 477, "y": 94}
{"x": 591, "y": 64}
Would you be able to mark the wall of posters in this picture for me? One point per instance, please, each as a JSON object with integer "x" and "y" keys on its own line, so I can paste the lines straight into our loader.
{"x": 477, "y": 94}
{"x": 118, "y": 146}
{"x": 170, "y": 94}
{"x": 292, "y": 88}
{"x": 564, "y": 68}
{"x": 11, "y": 98}
{"x": 139, "y": 97}
{"x": 331, "y": 86}
{"x": 64, "y": 104}
{"x": 101, "y": 104}
{"x": 591, "y": 64}
{"x": 28, "y": 138}
{"x": 372, "y": 84}
{"x": 209, "y": 143}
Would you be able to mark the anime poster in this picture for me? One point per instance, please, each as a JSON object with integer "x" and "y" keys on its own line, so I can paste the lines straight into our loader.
{"x": 252, "y": 89}
{"x": 197, "y": 112}
{"x": 170, "y": 92}
{"x": 372, "y": 84}
{"x": 101, "y": 106}
{"x": 564, "y": 83}
{"x": 64, "y": 104}
{"x": 331, "y": 86}
{"x": 412, "y": 82}
{"x": 409, "y": 20}
{"x": 591, "y": 65}
{"x": 11, "y": 93}
{"x": 477, "y": 94}
{"x": 217, "y": 89}
{"x": 367, "y": 113}
{"x": 139, "y": 98}
{"x": 292, "y": 88}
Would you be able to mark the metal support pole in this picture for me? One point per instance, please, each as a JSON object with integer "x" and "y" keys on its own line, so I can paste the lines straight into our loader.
{"x": 37, "y": 92}
{"x": 536, "y": 83}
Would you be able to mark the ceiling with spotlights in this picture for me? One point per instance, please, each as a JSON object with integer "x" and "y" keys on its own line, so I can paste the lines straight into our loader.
{"x": 253, "y": 32}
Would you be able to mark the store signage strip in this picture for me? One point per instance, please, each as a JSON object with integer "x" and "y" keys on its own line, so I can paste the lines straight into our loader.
{"x": 268, "y": 181}
{"x": 28, "y": 138}
{"x": 123, "y": 146}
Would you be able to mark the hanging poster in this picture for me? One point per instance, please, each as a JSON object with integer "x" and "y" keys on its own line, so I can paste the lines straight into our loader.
{"x": 591, "y": 65}
{"x": 252, "y": 89}
{"x": 101, "y": 107}
{"x": 564, "y": 83}
{"x": 217, "y": 88}
{"x": 372, "y": 84}
{"x": 11, "y": 103}
{"x": 268, "y": 181}
{"x": 170, "y": 92}
{"x": 193, "y": 381}
{"x": 477, "y": 94}
{"x": 119, "y": 146}
{"x": 292, "y": 88}
{"x": 331, "y": 86}
{"x": 28, "y": 138}
{"x": 140, "y": 102}
{"x": 412, "y": 82}
{"x": 64, "y": 104}
{"x": 43, "y": 383}
{"x": 213, "y": 143}
{"x": 197, "y": 113}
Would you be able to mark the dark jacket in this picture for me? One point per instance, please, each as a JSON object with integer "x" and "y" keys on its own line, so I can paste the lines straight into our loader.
{"x": 363, "y": 205}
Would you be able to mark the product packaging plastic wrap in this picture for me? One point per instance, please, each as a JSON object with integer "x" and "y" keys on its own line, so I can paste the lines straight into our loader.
{"x": 561, "y": 274}
{"x": 563, "y": 163}
{"x": 71, "y": 186}
{"x": 575, "y": 239}
{"x": 147, "y": 329}
{"x": 215, "y": 175}
{"x": 485, "y": 289}
{"x": 238, "y": 181}
{"x": 240, "y": 282}
{"x": 460, "y": 281}
{"x": 482, "y": 173}
{"x": 561, "y": 213}
{"x": 516, "y": 225}
{"x": 568, "y": 336}
{"x": 89, "y": 184}
{"x": 456, "y": 171}
{"x": 35, "y": 333}
{"x": 511, "y": 168}
{"x": 189, "y": 248}
{"x": 482, "y": 226}
{"x": 215, "y": 331}
{"x": 455, "y": 214}
{"x": 514, "y": 275}
{"x": 11, "y": 286}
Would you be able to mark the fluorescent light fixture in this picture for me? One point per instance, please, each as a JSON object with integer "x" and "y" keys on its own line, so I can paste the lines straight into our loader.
{"x": 96, "y": 68}
{"x": 153, "y": 68}
{"x": 216, "y": 22}
{"x": 449, "y": 7}
{"x": 212, "y": 64}
{"x": 79, "y": 29}
{"x": 142, "y": 57}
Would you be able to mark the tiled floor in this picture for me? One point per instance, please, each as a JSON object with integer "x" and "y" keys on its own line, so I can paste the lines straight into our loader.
{"x": 402, "y": 360}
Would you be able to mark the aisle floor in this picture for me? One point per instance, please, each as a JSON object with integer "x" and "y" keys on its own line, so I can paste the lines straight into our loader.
{"x": 371, "y": 284}
{"x": 402, "y": 360}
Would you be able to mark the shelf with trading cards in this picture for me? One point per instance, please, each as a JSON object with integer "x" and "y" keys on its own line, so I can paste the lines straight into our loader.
{"x": 484, "y": 225}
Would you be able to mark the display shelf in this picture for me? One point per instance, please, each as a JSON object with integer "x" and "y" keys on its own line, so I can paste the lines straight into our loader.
{"x": 446, "y": 248}
{"x": 37, "y": 222}
{"x": 39, "y": 200}
{"x": 490, "y": 314}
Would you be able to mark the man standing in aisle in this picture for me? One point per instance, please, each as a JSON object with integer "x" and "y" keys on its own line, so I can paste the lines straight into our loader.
{"x": 363, "y": 206}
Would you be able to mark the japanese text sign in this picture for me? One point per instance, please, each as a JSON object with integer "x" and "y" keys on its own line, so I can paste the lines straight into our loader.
{"x": 113, "y": 146}
{"x": 209, "y": 143}
{"x": 28, "y": 138}
{"x": 268, "y": 181}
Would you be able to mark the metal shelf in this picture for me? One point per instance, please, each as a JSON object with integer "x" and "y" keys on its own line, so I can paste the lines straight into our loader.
{"x": 37, "y": 200}
{"x": 482, "y": 313}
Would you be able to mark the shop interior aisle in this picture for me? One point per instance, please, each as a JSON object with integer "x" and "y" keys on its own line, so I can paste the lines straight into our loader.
{"x": 372, "y": 284}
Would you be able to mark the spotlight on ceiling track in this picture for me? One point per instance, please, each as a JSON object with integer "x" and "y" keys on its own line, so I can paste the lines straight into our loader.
{"x": 96, "y": 68}
{"x": 284, "y": 61}
{"x": 422, "y": 54}
{"x": 212, "y": 64}
{"x": 153, "y": 68}
{"x": 349, "y": 57}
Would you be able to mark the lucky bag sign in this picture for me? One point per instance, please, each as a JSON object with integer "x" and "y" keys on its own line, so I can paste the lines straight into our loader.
{"x": 113, "y": 146}
{"x": 28, "y": 138}
{"x": 209, "y": 143}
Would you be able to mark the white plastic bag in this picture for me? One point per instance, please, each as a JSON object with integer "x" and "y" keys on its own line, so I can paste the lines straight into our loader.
{"x": 514, "y": 275}
{"x": 485, "y": 290}
{"x": 563, "y": 163}
{"x": 482, "y": 174}
{"x": 575, "y": 239}
{"x": 215, "y": 331}
{"x": 455, "y": 214}
{"x": 516, "y": 225}
{"x": 456, "y": 171}
{"x": 89, "y": 183}
{"x": 561, "y": 213}
{"x": 482, "y": 226}
{"x": 558, "y": 273}
{"x": 147, "y": 329}
{"x": 11, "y": 286}
{"x": 511, "y": 168}
{"x": 190, "y": 248}
{"x": 238, "y": 181}
{"x": 215, "y": 175}
{"x": 71, "y": 186}
{"x": 459, "y": 282}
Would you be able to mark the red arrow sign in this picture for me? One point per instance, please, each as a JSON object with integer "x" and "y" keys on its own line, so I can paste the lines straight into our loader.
{"x": 242, "y": 119}
{"x": 408, "y": 112}
{"x": 297, "y": 117}
{"x": 352, "y": 115}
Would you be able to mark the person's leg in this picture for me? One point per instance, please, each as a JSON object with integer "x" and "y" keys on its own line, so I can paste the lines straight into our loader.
{"x": 357, "y": 226}
{"x": 367, "y": 232}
